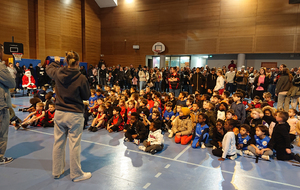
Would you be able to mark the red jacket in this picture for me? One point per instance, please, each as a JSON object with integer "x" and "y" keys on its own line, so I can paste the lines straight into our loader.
{"x": 129, "y": 111}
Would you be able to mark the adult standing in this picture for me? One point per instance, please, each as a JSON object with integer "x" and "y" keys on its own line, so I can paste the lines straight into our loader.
{"x": 143, "y": 77}
{"x": 41, "y": 75}
{"x": 211, "y": 81}
{"x": 102, "y": 75}
{"x": 283, "y": 85}
{"x": 229, "y": 79}
{"x": 18, "y": 75}
{"x": 127, "y": 77}
{"x": 261, "y": 83}
{"x": 241, "y": 79}
{"x": 174, "y": 81}
{"x": 71, "y": 89}
{"x": 232, "y": 65}
{"x": 220, "y": 82}
{"x": 6, "y": 82}
{"x": 83, "y": 71}
{"x": 198, "y": 81}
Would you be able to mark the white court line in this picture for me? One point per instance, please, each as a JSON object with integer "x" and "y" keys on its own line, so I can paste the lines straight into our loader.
{"x": 184, "y": 162}
{"x": 157, "y": 175}
{"x": 167, "y": 166}
{"x": 183, "y": 151}
{"x": 147, "y": 185}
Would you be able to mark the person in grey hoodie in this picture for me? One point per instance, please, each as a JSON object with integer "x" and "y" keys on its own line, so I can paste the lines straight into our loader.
{"x": 6, "y": 82}
{"x": 71, "y": 88}
{"x": 283, "y": 85}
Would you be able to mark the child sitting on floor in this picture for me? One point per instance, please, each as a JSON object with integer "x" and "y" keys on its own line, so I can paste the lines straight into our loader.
{"x": 155, "y": 140}
{"x": 218, "y": 134}
{"x": 49, "y": 116}
{"x": 99, "y": 121}
{"x": 182, "y": 127}
{"x": 37, "y": 118}
{"x": 200, "y": 135}
{"x": 267, "y": 97}
{"x": 292, "y": 121}
{"x": 116, "y": 122}
{"x": 168, "y": 116}
{"x": 259, "y": 144}
{"x": 256, "y": 115}
{"x": 228, "y": 149}
{"x": 131, "y": 109}
{"x": 136, "y": 130}
{"x": 243, "y": 139}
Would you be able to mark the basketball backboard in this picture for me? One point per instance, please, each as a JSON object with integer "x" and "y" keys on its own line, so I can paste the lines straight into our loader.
{"x": 10, "y": 48}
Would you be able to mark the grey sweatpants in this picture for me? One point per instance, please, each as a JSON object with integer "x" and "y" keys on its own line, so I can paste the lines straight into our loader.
{"x": 4, "y": 124}
{"x": 67, "y": 123}
{"x": 157, "y": 147}
{"x": 267, "y": 153}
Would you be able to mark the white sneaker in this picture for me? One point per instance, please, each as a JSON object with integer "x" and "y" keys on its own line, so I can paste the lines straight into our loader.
{"x": 171, "y": 135}
{"x": 265, "y": 157}
{"x": 239, "y": 152}
{"x": 203, "y": 145}
{"x": 126, "y": 140}
{"x": 142, "y": 148}
{"x": 136, "y": 141}
{"x": 248, "y": 152}
{"x": 85, "y": 176}
{"x": 214, "y": 147}
{"x": 169, "y": 131}
{"x": 233, "y": 157}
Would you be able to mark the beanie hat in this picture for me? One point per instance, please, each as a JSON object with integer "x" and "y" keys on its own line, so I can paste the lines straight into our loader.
{"x": 185, "y": 111}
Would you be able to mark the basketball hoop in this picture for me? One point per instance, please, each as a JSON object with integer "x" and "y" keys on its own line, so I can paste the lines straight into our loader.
{"x": 156, "y": 52}
{"x": 17, "y": 56}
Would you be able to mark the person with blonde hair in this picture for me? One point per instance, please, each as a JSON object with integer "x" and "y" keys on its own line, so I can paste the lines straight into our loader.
{"x": 71, "y": 88}
{"x": 220, "y": 82}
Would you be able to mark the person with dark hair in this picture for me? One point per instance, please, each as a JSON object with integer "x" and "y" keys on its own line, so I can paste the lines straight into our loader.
{"x": 136, "y": 130}
{"x": 48, "y": 121}
{"x": 261, "y": 83}
{"x": 211, "y": 81}
{"x": 200, "y": 134}
{"x": 283, "y": 85}
{"x": 71, "y": 88}
{"x": 116, "y": 122}
{"x": 218, "y": 134}
{"x": 155, "y": 140}
{"x": 198, "y": 81}
{"x": 19, "y": 75}
{"x": 6, "y": 82}
{"x": 174, "y": 82}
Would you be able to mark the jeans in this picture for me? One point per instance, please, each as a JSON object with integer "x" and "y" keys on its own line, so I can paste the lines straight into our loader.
{"x": 175, "y": 91}
{"x": 67, "y": 124}
{"x": 142, "y": 84}
{"x": 282, "y": 100}
{"x": 158, "y": 86}
{"x": 229, "y": 87}
{"x": 271, "y": 89}
{"x": 4, "y": 124}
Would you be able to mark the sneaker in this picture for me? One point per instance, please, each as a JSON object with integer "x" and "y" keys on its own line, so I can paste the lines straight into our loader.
{"x": 17, "y": 127}
{"x": 13, "y": 123}
{"x": 85, "y": 176}
{"x": 153, "y": 151}
{"x": 203, "y": 145}
{"x": 265, "y": 157}
{"x": 90, "y": 128}
{"x": 233, "y": 157}
{"x": 58, "y": 176}
{"x": 248, "y": 152}
{"x": 142, "y": 148}
{"x": 169, "y": 131}
{"x": 239, "y": 152}
{"x": 126, "y": 140}
{"x": 136, "y": 141}
{"x": 171, "y": 135}
{"x": 94, "y": 129}
{"x": 6, "y": 160}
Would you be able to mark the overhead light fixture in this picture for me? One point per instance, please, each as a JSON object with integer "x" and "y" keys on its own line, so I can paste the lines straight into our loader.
{"x": 205, "y": 57}
{"x": 128, "y": 1}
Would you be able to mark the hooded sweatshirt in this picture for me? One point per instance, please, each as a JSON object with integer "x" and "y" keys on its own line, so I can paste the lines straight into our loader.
{"x": 71, "y": 88}
{"x": 155, "y": 138}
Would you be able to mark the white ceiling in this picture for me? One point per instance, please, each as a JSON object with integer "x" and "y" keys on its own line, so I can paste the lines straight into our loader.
{"x": 107, "y": 3}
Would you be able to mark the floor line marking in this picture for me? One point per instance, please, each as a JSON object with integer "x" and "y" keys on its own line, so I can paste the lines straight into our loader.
{"x": 147, "y": 185}
{"x": 181, "y": 161}
{"x": 183, "y": 151}
{"x": 167, "y": 166}
{"x": 157, "y": 175}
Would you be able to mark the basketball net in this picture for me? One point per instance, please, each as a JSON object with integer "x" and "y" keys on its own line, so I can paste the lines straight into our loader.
{"x": 156, "y": 52}
{"x": 18, "y": 56}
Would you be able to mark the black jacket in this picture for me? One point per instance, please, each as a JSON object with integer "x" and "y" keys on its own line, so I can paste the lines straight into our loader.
{"x": 264, "y": 85}
{"x": 71, "y": 88}
{"x": 280, "y": 137}
{"x": 211, "y": 81}
{"x": 139, "y": 129}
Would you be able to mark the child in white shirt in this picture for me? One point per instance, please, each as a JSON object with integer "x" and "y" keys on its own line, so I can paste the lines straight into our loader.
{"x": 155, "y": 140}
{"x": 228, "y": 149}
{"x": 292, "y": 121}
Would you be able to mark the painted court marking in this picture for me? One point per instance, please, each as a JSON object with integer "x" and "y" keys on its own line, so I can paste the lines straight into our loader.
{"x": 180, "y": 161}
{"x": 157, "y": 175}
{"x": 167, "y": 166}
{"x": 147, "y": 185}
{"x": 183, "y": 151}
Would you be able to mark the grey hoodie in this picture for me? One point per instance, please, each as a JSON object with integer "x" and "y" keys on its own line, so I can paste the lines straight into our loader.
{"x": 6, "y": 82}
{"x": 71, "y": 88}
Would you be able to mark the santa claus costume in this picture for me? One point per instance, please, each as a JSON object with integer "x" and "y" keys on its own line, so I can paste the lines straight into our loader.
{"x": 28, "y": 81}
